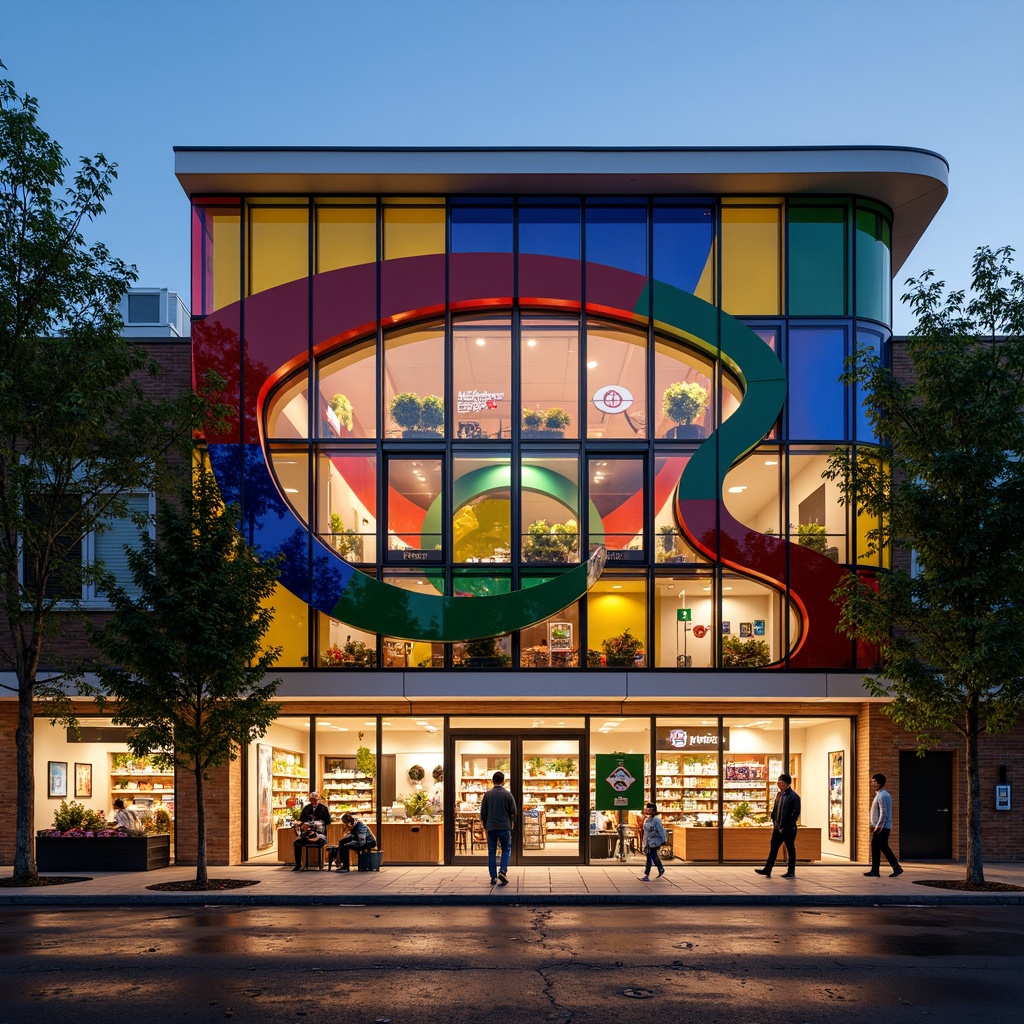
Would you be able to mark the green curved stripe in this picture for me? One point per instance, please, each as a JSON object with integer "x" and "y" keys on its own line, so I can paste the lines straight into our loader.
{"x": 368, "y": 604}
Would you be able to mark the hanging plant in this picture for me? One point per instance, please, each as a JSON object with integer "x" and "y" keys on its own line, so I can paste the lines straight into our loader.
{"x": 416, "y": 773}
{"x": 438, "y": 774}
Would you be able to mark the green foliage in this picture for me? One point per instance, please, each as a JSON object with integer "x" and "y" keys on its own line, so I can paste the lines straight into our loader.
{"x": 342, "y": 408}
{"x": 68, "y": 815}
{"x": 948, "y": 485}
{"x": 622, "y": 649}
{"x": 556, "y": 543}
{"x": 737, "y": 653}
{"x": 684, "y": 401}
{"x": 416, "y": 802}
{"x": 405, "y": 410}
{"x": 186, "y": 661}
{"x": 556, "y": 419}
{"x": 347, "y": 543}
{"x": 366, "y": 762}
{"x": 432, "y": 413}
{"x": 740, "y": 811}
{"x": 533, "y": 419}
{"x": 78, "y": 433}
{"x": 813, "y": 536}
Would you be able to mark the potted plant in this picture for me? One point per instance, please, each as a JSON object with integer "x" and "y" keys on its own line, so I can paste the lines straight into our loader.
{"x": 432, "y": 414}
{"x": 556, "y": 543}
{"x": 555, "y": 421}
{"x": 533, "y": 423}
{"x": 813, "y": 536}
{"x": 418, "y": 418}
{"x": 347, "y": 543}
{"x": 622, "y": 650}
{"x": 417, "y": 775}
{"x": 536, "y": 765}
{"x": 683, "y": 402}
{"x": 366, "y": 761}
{"x": 342, "y": 409}
{"x": 737, "y": 653}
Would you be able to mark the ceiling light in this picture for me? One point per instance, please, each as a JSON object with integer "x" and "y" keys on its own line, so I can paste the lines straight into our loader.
{"x": 738, "y": 489}
{"x": 592, "y": 365}
{"x": 291, "y": 490}
{"x": 616, "y": 586}
{"x": 706, "y": 589}
{"x": 531, "y": 342}
{"x": 771, "y": 462}
{"x": 481, "y": 342}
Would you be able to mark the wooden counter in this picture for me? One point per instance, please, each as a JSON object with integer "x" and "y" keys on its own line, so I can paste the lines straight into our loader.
{"x": 690, "y": 843}
{"x": 412, "y": 842}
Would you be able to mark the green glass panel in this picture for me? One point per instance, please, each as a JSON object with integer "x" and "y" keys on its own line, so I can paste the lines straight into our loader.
{"x": 817, "y": 261}
{"x": 874, "y": 266}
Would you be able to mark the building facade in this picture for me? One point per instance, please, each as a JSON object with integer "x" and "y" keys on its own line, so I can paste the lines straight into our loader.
{"x": 543, "y": 438}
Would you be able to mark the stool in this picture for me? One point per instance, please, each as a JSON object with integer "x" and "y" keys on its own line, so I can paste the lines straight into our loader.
{"x": 332, "y": 856}
{"x": 318, "y": 849}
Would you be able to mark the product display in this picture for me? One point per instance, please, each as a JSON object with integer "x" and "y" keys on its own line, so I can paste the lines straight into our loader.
{"x": 345, "y": 788}
{"x": 289, "y": 785}
{"x": 140, "y": 784}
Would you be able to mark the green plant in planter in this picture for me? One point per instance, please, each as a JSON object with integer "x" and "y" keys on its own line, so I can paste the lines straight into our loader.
{"x": 366, "y": 762}
{"x": 593, "y": 658}
{"x": 556, "y": 419}
{"x": 406, "y": 409}
{"x": 684, "y": 401}
{"x": 416, "y": 773}
{"x": 347, "y": 543}
{"x": 533, "y": 419}
{"x": 536, "y": 765}
{"x": 72, "y": 814}
{"x": 737, "y": 653}
{"x": 622, "y": 649}
{"x": 555, "y": 543}
{"x": 740, "y": 811}
{"x": 342, "y": 408}
{"x": 415, "y": 802}
{"x": 813, "y": 536}
{"x": 432, "y": 413}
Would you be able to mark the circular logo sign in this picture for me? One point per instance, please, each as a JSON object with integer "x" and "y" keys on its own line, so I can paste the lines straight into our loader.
{"x": 612, "y": 398}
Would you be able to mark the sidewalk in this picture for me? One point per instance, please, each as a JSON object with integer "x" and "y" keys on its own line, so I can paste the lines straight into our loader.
{"x": 570, "y": 885}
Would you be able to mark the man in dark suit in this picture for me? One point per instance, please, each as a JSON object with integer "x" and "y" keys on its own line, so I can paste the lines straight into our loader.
{"x": 311, "y": 829}
{"x": 785, "y": 814}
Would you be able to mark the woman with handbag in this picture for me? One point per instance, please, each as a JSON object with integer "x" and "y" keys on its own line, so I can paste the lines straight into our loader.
{"x": 654, "y": 839}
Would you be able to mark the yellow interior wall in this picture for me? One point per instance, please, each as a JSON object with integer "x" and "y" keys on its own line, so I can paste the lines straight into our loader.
{"x": 610, "y": 614}
{"x": 346, "y": 237}
{"x": 413, "y": 231}
{"x": 288, "y": 630}
{"x": 752, "y": 260}
{"x": 278, "y": 246}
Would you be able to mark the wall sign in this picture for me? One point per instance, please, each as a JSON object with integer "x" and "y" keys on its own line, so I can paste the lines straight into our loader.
{"x": 836, "y": 820}
{"x": 691, "y": 737}
{"x": 619, "y": 782}
{"x": 612, "y": 399}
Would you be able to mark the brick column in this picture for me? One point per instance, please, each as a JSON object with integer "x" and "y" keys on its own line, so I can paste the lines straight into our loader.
{"x": 223, "y": 791}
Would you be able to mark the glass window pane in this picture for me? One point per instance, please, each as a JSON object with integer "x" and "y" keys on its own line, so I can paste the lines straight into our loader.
{"x": 346, "y": 236}
{"x": 752, "y": 260}
{"x": 553, "y": 643}
{"x": 278, "y": 245}
{"x": 550, "y": 230}
{"x": 867, "y": 340}
{"x": 616, "y": 516}
{"x": 550, "y": 510}
{"x": 817, "y": 398}
{"x": 684, "y": 248}
{"x": 687, "y": 779}
{"x": 753, "y": 624}
{"x": 290, "y": 467}
{"x": 753, "y": 491}
{"x": 347, "y": 503}
{"x": 280, "y": 761}
{"x": 289, "y": 628}
{"x": 683, "y": 388}
{"x": 481, "y": 228}
{"x": 819, "y": 752}
{"x": 412, "y": 755}
{"x": 550, "y": 376}
{"x": 413, "y": 231}
{"x": 617, "y": 621}
{"x": 482, "y": 368}
{"x": 683, "y": 617}
{"x": 348, "y": 393}
{"x": 482, "y": 517}
{"x": 616, "y": 381}
{"x": 817, "y": 520}
{"x": 817, "y": 260}
{"x": 216, "y": 256}
{"x": 413, "y": 487}
{"x": 617, "y": 236}
{"x": 343, "y": 646}
{"x": 349, "y": 766}
{"x": 874, "y": 266}
{"x": 670, "y": 544}
{"x": 110, "y": 544}
{"x": 287, "y": 412}
{"x": 414, "y": 382}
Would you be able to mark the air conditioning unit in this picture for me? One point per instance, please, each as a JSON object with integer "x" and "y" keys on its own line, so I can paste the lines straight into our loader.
{"x": 154, "y": 313}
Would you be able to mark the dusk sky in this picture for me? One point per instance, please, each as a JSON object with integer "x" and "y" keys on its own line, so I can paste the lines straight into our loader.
{"x": 134, "y": 79}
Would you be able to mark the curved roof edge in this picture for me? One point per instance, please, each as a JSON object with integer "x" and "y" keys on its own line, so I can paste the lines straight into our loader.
{"x": 913, "y": 183}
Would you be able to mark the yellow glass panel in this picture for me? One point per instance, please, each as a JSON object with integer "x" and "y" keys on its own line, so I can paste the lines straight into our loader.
{"x": 288, "y": 630}
{"x": 413, "y": 231}
{"x": 226, "y": 255}
{"x": 278, "y": 246}
{"x": 345, "y": 237}
{"x": 752, "y": 260}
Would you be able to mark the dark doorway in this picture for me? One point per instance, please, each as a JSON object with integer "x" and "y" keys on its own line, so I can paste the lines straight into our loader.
{"x": 926, "y": 805}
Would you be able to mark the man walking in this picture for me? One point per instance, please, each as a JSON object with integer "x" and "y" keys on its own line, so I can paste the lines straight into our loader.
{"x": 881, "y": 829}
{"x": 498, "y": 814}
{"x": 785, "y": 814}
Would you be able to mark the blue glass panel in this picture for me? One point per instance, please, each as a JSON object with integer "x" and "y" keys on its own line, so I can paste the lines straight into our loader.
{"x": 617, "y": 237}
{"x": 683, "y": 236}
{"x": 481, "y": 228}
{"x": 816, "y": 396}
{"x": 550, "y": 231}
{"x": 872, "y": 340}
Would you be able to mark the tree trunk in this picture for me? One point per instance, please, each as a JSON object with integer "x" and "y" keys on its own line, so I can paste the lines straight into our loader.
{"x": 201, "y": 873}
{"x": 975, "y": 868}
{"x": 24, "y": 847}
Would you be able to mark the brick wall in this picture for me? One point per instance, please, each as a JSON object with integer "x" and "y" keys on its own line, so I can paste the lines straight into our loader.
{"x": 223, "y": 791}
{"x": 8, "y": 779}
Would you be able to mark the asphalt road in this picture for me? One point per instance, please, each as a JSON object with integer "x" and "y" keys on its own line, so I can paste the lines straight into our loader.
{"x": 350, "y": 964}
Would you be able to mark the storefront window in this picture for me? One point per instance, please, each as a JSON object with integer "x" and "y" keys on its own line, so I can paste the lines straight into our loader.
{"x": 753, "y": 492}
{"x": 684, "y": 635}
{"x": 617, "y": 621}
{"x": 481, "y": 519}
{"x": 817, "y": 519}
{"x": 414, "y": 485}
{"x": 617, "y": 507}
{"x": 412, "y": 755}
{"x": 549, "y": 351}
{"x": 670, "y": 543}
{"x": 347, "y": 393}
{"x": 550, "y": 510}
{"x": 553, "y": 643}
{"x": 279, "y": 765}
{"x": 684, "y": 392}
{"x": 344, "y": 647}
{"x": 616, "y": 382}
{"x": 753, "y": 626}
{"x": 414, "y": 361}
{"x": 278, "y": 243}
{"x": 482, "y": 368}
{"x": 820, "y": 751}
{"x": 346, "y": 503}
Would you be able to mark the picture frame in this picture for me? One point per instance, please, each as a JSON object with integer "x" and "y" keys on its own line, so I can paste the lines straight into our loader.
{"x": 264, "y": 796}
{"x": 57, "y": 779}
{"x": 836, "y": 815}
{"x": 746, "y": 629}
{"x": 758, "y": 627}
{"x": 83, "y": 780}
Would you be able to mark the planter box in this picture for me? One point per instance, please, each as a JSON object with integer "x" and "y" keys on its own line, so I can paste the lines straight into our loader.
{"x": 134, "y": 853}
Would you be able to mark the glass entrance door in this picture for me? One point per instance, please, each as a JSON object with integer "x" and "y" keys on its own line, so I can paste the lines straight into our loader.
{"x": 542, "y": 771}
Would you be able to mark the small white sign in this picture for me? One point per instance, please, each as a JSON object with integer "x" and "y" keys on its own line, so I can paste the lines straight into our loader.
{"x": 612, "y": 398}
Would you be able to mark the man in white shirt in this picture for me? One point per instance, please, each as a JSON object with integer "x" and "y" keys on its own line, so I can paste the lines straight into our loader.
{"x": 881, "y": 827}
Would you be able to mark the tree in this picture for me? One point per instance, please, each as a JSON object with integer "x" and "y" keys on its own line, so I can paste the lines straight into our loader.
{"x": 78, "y": 433}
{"x": 184, "y": 661}
{"x": 948, "y": 485}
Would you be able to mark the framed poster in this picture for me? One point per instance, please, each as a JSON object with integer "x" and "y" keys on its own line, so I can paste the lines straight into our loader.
{"x": 83, "y": 780}
{"x": 264, "y": 796}
{"x": 836, "y": 820}
{"x": 726, "y": 627}
{"x": 57, "y": 778}
{"x": 746, "y": 629}
{"x": 758, "y": 627}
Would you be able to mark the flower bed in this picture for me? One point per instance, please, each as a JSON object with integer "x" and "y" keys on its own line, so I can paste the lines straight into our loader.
{"x": 101, "y": 850}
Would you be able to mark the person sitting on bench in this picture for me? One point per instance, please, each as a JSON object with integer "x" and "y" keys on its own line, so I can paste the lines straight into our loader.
{"x": 358, "y": 838}
{"x": 311, "y": 828}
